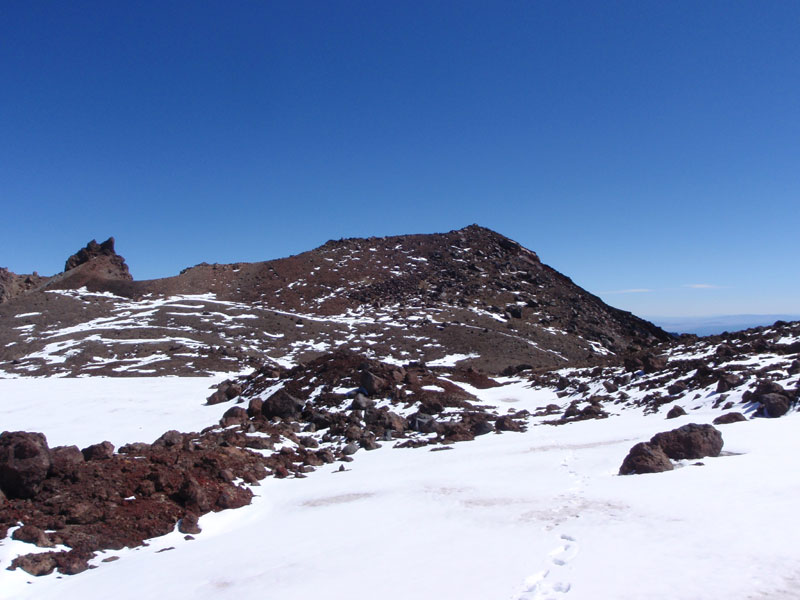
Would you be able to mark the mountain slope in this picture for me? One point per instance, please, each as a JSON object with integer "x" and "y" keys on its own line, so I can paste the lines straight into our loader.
{"x": 470, "y": 294}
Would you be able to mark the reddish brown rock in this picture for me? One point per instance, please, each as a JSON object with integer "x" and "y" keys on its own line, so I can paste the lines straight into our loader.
{"x": 281, "y": 404}
{"x": 645, "y": 457}
{"x": 101, "y": 451}
{"x": 774, "y": 405}
{"x": 32, "y": 535}
{"x": 24, "y": 463}
{"x": 189, "y": 524}
{"x": 689, "y": 441}
{"x": 727, "y": 418}
{"x": 675, "y": 412}
{"x": 65, "y": 461}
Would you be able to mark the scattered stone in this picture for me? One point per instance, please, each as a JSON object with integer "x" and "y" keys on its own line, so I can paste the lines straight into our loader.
{"x": 727, "y": 381}
{"x": 610, "y": 386}
{"x": 645, "y": 457}
{"x": 677, "y": 388}
{"x": 676, "y": 411}
{"x": 189, "y": 524}
{"x": 350, "y": 449}
{"x": 774, "y": 405}
{"x": 727, "y": 418}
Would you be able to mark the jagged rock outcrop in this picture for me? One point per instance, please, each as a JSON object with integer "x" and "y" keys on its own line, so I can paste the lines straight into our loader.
{"x": 112, "y": 264}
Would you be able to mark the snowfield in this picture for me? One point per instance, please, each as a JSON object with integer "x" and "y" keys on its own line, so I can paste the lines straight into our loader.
{"x": 511, "y": 516}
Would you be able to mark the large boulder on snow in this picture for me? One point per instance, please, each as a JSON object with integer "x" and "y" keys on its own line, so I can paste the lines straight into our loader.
{"x": 675, "y": 412}
{"x": 24, "y": 463}
{"x": 728, "y": 418}
{"x": 645, "y": 457}
{"x": 689, "y": 441}
{"x": 774, "y": 405}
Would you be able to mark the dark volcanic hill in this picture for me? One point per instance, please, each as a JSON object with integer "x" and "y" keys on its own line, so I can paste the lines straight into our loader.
{"x": 469, "y": 295}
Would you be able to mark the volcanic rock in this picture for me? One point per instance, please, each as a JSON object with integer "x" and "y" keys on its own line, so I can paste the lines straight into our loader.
{"x": 689, "y": 441}
{"x": 24, "y": 463}
{"x": 94, "y": 250}
{"x": 727, "y": 381}
{"x": 727, "y": 418}
{"x": 676, "y": 411}
{"x": 65, "y": 461}
{"x": 651, "y": 363}
{"x": 677, "y": 388}
{"x": 281, "y": 404}
{"x": 774, "y": 405}
{"x": 645, "y": 457}
{"x": 101, "y": 451}
{"x": 32, "y": 535}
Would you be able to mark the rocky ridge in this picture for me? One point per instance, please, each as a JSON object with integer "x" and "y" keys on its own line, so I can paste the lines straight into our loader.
{"x": 470, "y": 293}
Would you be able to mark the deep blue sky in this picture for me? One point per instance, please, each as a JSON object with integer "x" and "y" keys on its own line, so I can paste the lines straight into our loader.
{"x": 634, "y": 145}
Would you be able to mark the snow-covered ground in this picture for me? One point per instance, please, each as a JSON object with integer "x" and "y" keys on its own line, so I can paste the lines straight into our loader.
{"x": 84, "y": 411}
{"x": 516, "y": 516}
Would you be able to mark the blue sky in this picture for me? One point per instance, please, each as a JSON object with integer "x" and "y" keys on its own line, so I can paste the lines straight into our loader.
{"x": 634, "y": 145}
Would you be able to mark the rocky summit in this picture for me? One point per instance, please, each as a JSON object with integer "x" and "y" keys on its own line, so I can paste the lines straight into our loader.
{"x": 470, "y": 296}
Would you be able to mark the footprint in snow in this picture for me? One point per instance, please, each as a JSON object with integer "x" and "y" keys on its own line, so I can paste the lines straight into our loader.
{"x": 545, "y": 585}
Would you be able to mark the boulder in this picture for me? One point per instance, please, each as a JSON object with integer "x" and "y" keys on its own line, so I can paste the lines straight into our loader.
{"x": 482, "y": 428}
{"x": 506, "y": 423}
{"x": 361, "y": 402}
{"x": 282, "y": 404}
{"x": 24, "y": 463}
{"x": 235, "y": 415}
{"x": 65, "y": 461}
{"x": 677, "y": 388}
{"x": 725, "y": 351}
{"x": 372, "y": 384}
{"x": 217, "y": 397}
{"x": 514, "y": 311}
{"x": 254, "y": 407}
{"x": 35, "y": 564}
{"x": 769, "y": 387}
{"x": 169, "y": 439}
{"x": 101, "y": 451}
{"x": 651, "y": 363}
{"x": 727, "y": 381}
{"x": 192, "y": 494}
{"x": 423, "y": 422}
{"x": 610, "y": 386}
{"x": 689, "y": 441}
{"x": 727, "y": 418}
{"x": 645, "y": 458}
{"x": 350, "y": 449}
{"x": 675, "y": 411}
{"x": 32, "y": 535}
{"x": 633, "y": 364}
{"x": 233, "y": 390}
{"x": 774, "y": 405}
